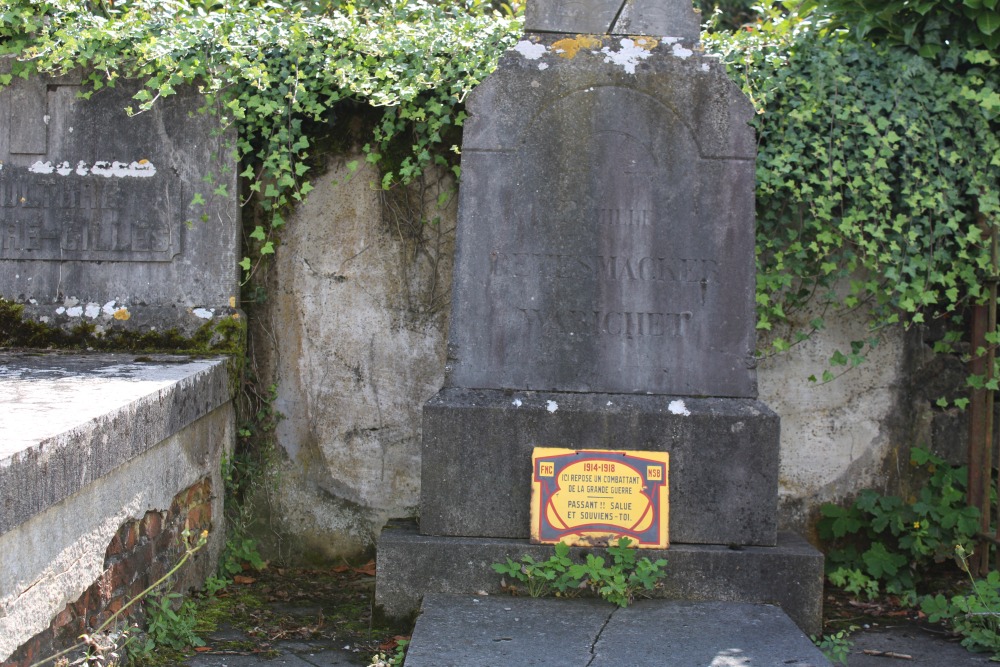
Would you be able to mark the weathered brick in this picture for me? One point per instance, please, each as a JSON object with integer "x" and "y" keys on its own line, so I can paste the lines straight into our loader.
{"x": 152, "y": 525}
{"x": 63, "y": 618}
{"x": 118, "y": 577}
{"x": 116, "y": 548}
{"x": 131, "y": 535}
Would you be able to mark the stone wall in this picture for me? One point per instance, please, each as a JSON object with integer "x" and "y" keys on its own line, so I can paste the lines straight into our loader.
{"x": 354, "y": 358}
{"x": 352, "y": 334}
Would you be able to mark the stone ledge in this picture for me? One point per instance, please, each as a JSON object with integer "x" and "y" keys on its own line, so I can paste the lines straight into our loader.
{"x": 789, "y": 575}
{"x": 70, "y": 419}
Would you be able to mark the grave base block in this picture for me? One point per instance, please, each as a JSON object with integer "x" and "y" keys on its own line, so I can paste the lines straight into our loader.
{"x": 790, "y": 575}
{"x": 477, "y": 444}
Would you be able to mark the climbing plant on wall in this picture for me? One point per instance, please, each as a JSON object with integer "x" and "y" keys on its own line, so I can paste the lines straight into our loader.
{"x": 929, "y": 27}
{"x": 274, "y": 66}
{"x": 878, "y": 173}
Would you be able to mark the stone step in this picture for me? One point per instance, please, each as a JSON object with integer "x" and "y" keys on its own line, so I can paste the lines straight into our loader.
{"x": 503, "y": 631}
{"x": 411, "y": 565}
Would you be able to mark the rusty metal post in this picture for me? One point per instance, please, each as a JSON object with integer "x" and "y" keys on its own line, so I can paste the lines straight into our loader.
{"x": 991, "y": 330}
{"x": 979, "y": 477}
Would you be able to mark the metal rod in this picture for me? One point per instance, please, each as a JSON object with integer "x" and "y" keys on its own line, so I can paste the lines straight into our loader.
{"x": 991, "y": 330}
{"x": 978, "y": 494}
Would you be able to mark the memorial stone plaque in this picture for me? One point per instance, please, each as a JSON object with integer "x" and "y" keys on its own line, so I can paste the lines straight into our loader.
{"x": 111, "y": 220}
{"x": 606, "y": 224}
{"x": 594, "y": 497}
{"x": 603, "y": 298}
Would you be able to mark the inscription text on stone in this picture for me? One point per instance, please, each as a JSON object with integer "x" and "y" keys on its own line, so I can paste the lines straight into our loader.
{"x": 92, "y": 218}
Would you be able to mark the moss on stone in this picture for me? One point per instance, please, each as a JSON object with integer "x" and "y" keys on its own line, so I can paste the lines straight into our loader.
{"x": 222, "y": 335}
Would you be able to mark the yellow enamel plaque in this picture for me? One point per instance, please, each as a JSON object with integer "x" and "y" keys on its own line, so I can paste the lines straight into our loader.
{"x": 594, "y": 496}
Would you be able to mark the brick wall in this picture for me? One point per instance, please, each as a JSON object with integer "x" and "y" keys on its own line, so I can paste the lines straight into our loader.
{"x": 141, "y": 552}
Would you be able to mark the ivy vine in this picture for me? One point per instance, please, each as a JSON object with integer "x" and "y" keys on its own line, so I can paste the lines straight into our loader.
{"x": 877, "y": 180}
{"x": 271, "y": 67}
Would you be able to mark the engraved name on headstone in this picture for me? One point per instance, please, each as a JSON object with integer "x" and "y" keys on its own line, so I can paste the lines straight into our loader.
{"x": 61, "y": 212}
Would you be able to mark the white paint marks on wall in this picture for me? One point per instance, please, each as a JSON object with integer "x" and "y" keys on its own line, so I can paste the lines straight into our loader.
{"x": 530, "y": 50}
{"x": 134, "y": 169}
{"x": 140, "y": 169}
{"x": 204, "y": 313}
{"x": 40, "y": 167}
{"x": 678, "y": 408}
{"x": 681, "y": 52}
{"x": 628, "y": 57}
{"x": 551, "y": 406}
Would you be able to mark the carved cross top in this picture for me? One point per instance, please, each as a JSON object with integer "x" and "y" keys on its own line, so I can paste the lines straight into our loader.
{"x": 663, "y": 18}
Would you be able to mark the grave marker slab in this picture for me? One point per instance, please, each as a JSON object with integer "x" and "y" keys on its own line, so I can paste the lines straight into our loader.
{"x": 98, "y": 218}
{"x": 607, "y": 225}
{"x": 603, "y": 299}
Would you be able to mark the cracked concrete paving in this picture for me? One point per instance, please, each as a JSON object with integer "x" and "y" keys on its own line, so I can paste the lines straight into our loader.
{"x": 458, "y": 631}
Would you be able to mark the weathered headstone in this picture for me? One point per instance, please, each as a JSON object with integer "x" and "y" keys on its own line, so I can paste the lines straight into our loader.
{"x": 603, "y": 294}
{"x": 100, "y": 220}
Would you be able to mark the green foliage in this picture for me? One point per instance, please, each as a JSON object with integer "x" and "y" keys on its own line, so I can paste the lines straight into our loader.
{"x": 727, "y": 14}
{"x": 617, "y": 582}
{"x": 884, "y": 544}
{"x": 543, "y": 578}
{"x": 170, "y": 622}
{"x": 239, "y": 554}
{"x": 625, "y": 577}
{"x": 926, "y": 26}
{"x": 240, "y": 551}
{"x": 278, "y": 69}
{"x": 835, "y": 647}
{"x": 877, "y": 175}
{"x": 976, "y": 615}
{"x": 395, "y": 660}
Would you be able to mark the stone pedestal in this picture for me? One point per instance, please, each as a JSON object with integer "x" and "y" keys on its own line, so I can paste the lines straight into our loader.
{"x": 476, "y": 459}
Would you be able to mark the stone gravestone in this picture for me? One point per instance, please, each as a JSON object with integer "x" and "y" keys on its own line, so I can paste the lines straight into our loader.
{"x": 100, "y": 220}
{"x": 603, "y": 296}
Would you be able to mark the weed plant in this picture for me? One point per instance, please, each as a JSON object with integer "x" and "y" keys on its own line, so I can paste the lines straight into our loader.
{"x": 618, "y": 581}
{"x": 885, "y": 544}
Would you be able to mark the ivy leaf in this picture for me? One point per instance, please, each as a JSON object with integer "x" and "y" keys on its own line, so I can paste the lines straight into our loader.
{"x": 988, "y": 22}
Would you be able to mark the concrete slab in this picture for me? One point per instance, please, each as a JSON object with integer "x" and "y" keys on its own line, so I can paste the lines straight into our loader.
{"x": 457, "y": 631}
{"x": 69, "y": 419}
